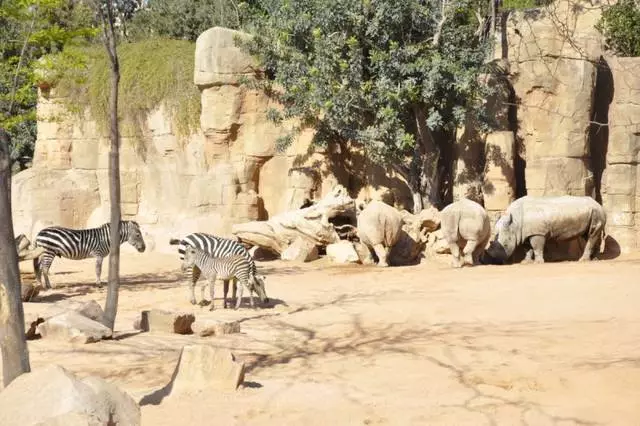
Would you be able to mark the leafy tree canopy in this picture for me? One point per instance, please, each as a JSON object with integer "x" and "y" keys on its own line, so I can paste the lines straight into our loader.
{"x": 179, "y": 19}
{"x": 620, "y": 24}
{"x": 32, "y": 28}
{"x": 386, "y": 74}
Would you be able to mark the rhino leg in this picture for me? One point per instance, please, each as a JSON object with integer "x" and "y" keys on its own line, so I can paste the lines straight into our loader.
{"x": 468, "y": 251}
{"x": 455, "y": 254}
{"x": 528, "y": 257}
{"x": 537, "y": 246}
{"x": 382, "y": 253}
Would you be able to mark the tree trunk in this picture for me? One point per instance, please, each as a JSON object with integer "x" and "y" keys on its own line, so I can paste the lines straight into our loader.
{"x": 111, "y": 305}
{"x": 429, "y": 156}
{"x": 13, "y": 344}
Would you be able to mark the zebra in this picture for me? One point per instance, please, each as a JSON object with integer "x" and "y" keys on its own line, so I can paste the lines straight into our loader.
{"x": 79, "y": 244}
{"x": 219, "y": 247}
{"x": 230, "y": 267}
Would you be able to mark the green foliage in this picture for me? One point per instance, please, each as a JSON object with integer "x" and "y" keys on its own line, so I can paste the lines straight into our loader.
{"x": 620, "y": 24}
{"x": 524, "y": 4}
{"x": 30, "y": 29}
{"x": 368, "y": 71}
{"x": 179, "y": 19}
{"x": 152, "y": 71}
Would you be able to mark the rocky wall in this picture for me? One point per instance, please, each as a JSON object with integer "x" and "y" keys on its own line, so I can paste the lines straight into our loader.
{"x": 621, "y": 177}
{"x": 227, "y": 172}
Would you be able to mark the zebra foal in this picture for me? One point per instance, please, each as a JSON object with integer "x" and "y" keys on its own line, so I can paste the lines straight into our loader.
{"x": 219, "y": 247}
{"x": 80, "y": 244}
{"x": 224, "y": 268}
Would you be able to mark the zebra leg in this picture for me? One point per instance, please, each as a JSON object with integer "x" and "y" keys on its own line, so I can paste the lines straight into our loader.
{"x": 212, "y": 286}
{"x": 45, "y": 263}
{"x": 195, "y": 275}
{"x": 225, "y": 291}
{"x": 99, "y": 260}
{"x": 37, "y": 271}
{"x": 241, "y": 286}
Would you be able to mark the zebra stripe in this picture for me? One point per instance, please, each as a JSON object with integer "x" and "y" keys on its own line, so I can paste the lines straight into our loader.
{"x": 77, "y": 244}
{"x": 219, "y": 247}
{"x": 225, "y": 268}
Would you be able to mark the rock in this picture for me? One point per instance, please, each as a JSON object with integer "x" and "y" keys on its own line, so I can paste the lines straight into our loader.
{"x": 137, "y": 323}
{"x": 74, "y": 327}
{"x": 301, "y": 250}
{"x": 63, "y": 399}
{"x": 124, "y": 409}
{"x": 72, "y": 419}
{"x": 91, "y": 310}
{"x": 343, "y": 252}
{"x": 157, "y": 320}
{"x": 309, "y": 223}
{"x": 621, "y": 176}
{"x": 215, "y": 328}
{"x": 205, "y": 368}
{"x": 218, "y": 59}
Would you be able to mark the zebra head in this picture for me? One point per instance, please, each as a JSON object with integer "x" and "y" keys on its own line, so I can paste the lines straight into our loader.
{"x": 258, "y": 286}
{"x": 133, "y": 235}
{"x": 190, "y": 256}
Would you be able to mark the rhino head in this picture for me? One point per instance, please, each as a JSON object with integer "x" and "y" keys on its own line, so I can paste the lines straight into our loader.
{"x": 506, "y": 240}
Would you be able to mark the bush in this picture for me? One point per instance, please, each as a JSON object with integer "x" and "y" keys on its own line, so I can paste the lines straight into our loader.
{"x": 620, "y": 25}
{"x": 152, "y": 72}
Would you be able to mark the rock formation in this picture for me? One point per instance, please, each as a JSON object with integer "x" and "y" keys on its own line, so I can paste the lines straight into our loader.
{"x": 310, "y": 223}
{"x": 561, "y": 129}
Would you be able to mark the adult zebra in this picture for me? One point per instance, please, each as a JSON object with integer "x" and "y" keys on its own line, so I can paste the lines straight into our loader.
{"x": 219, "y": 247}
{"x": 79, "y": 244}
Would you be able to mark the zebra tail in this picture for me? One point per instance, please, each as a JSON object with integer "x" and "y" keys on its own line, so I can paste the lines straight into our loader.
{"x": 174, "y": 241}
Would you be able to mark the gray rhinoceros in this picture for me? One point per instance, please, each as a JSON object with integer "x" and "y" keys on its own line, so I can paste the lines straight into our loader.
{"x": 379, "y": 228}
{"x": 465, "y": 225}
{"x": 534, "y": 219}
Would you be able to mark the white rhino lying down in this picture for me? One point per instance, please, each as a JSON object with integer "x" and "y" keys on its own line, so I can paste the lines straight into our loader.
{"x": 533, "y": 220}
{"x": 465, "y": 225}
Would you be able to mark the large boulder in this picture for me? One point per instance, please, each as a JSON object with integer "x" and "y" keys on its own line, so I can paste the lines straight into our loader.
{"x": 301, "y": 250}
{"x": 157, "y": 320}
{"x": 342, "y": 252}
{"x": 74, "y": 327}
{"x": 53, "y": 396}
{"x": 205, "y": 368}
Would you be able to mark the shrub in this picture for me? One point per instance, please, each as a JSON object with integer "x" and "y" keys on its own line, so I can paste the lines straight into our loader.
{"x": 620, "y": 25}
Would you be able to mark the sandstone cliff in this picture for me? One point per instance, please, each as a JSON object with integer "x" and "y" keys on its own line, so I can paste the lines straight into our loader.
{"x": 567, "y": 115}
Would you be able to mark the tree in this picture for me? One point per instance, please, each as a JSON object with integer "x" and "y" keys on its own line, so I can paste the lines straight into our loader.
{"x": 106, "y": 12}
{"x": 394, "y": 76}
{"x": 13, "y": 343}
{"x": 31, "y": 29}
{"x": 620, "y": 24}
{"x": 180, "y": 19}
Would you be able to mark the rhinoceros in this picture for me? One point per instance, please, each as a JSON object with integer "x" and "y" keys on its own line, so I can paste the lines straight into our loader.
{"x": 379, "y": 227}
{"x": 465, "y": 225}
{"x": 535, "y": 219}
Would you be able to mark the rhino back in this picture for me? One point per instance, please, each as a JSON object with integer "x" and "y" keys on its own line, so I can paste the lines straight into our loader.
{"x": 561, "y": 218}
{"x": 379, "y": 223}
{"x": 465, "y": 218}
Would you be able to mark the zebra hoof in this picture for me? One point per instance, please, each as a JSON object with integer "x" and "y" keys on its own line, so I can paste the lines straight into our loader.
{"x": 193, "y": 302}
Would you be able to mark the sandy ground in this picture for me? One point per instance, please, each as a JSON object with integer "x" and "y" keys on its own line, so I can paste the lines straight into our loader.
{"x": 552, "y": 344}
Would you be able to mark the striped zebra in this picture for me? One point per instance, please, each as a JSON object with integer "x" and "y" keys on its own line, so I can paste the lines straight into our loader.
{"x": 79, "y": 244}
{"x": 219, "y": 247}
{"x": 224, "y": 268}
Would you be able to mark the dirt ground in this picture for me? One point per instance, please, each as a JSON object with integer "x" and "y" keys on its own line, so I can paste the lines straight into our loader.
{"x": 552, "y": 344}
